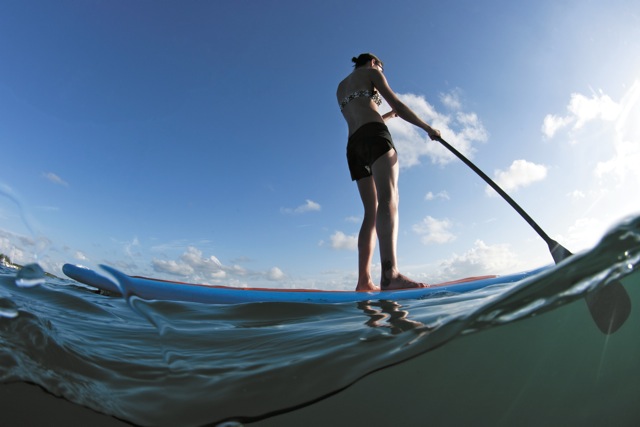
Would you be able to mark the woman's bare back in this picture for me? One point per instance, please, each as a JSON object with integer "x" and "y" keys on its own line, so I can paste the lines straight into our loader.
{"x": 362, "y": 109}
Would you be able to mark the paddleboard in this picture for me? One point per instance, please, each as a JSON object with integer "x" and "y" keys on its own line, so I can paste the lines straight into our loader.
{"x": 156, "y": 289}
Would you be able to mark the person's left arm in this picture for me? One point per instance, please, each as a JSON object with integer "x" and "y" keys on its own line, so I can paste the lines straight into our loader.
{"x": 390, "y": 115}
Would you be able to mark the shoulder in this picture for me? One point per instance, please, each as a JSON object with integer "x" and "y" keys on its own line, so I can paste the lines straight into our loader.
{"x": 376, "y": 75}
{"x": 369, "y": 76}
{"x": 361, "y": 79}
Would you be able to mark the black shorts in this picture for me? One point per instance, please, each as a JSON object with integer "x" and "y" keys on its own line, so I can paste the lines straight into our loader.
{"x": 365, "y": 146}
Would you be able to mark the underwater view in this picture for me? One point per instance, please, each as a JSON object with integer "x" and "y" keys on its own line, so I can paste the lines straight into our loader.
{"x": 559, "y": 348}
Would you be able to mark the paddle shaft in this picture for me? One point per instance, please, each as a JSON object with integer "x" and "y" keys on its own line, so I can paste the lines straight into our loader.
{"x": 558, "y": 252}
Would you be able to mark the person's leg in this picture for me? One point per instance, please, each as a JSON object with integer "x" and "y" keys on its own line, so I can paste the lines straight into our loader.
{"x": 385, "y": 175}
{"x": 367, "y": 236}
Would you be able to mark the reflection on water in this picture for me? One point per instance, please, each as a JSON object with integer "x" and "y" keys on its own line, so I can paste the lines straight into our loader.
{"x": 388, "y": 314}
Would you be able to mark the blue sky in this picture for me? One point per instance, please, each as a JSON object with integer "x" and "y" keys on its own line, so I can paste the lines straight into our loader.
{"x": 201, "y": 141}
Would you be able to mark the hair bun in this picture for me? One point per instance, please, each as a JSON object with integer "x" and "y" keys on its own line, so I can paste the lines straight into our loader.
{"x": 354, "y": 59}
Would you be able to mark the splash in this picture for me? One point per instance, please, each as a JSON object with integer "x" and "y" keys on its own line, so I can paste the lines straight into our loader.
{"x": 30, "y": 275}
{"x": 8, "y": 309}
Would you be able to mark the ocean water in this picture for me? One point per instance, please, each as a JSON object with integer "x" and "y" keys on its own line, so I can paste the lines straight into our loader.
{"x": 560, "y": 348}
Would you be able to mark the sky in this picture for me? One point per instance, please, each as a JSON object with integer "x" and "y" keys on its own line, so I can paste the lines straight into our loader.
{"x": 201, "y": 141}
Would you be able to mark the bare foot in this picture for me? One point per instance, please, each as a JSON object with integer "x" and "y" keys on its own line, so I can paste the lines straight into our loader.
{"x": 398, "y": 281}
{"x": 366, "y": 287}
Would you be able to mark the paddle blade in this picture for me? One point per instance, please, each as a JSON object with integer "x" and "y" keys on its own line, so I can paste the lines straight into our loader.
{"x": 558, "y": 252}
{"x": 609, "y": 306}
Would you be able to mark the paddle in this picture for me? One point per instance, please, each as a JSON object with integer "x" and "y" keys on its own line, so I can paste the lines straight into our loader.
{"x": 609, "y": 306}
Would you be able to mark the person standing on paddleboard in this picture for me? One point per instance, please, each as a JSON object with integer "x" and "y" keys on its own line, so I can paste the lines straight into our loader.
{"x": 373, "y": 164}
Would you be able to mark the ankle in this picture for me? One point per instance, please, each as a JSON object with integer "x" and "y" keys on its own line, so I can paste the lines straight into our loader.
{"x": 389, "y": 272}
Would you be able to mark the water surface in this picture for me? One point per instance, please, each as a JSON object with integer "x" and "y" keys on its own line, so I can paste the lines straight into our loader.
{"x": 490, "y": 357}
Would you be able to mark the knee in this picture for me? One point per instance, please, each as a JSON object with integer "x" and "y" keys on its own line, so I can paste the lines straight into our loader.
{"x": 388, "y": 206}
{"x": 389, "y": 197}
{"x": 369, "y": 220}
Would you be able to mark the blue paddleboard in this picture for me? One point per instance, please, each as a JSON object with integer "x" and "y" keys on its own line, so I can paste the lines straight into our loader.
{"x": 155, "y": 289}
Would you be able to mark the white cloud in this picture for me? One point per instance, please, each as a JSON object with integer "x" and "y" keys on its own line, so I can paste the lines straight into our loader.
{"x": 275, "y": 274}
{"x": 584, "y": 233}
{"x": 577, "y": 195}
{"x": 10, "y": 249}
{"x": 482, "y": 259}
{"x": 308, "y": 206}
{"x": 55, "y": 179}
{"x": 24, "y": 250}
{"x": 614, "y": 126}
{"x": 193, "y": 266}
{"x": 471, "y": 127}
{"x": 626, "y": 140}
{"x": 582, "y": 110}
{"x": 585, "y": 109}
{"x": 129, "y": 247}
{"x": 341, "y": 241}
{"x": 441, "y": 195}
{"x": 451, "y": 100}
{"x": 521, "y": 173}
{"x": 552, "y": 124}
{"x": 194, "y": 257}
{"x": 433, "y": 230}
{"x": 172, "y": 267}
{"x": 460, "y": 129}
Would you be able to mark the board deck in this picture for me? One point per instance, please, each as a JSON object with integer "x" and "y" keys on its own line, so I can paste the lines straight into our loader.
{"x": 156, "y": 289}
